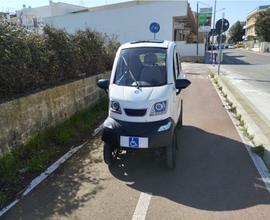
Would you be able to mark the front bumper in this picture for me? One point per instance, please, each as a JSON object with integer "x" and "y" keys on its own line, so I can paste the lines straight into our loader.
{"x": 113, "y": 129}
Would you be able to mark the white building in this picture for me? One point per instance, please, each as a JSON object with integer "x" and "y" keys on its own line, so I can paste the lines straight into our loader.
{"x": 131, "y": 20}
{"x": 33, "y": 17}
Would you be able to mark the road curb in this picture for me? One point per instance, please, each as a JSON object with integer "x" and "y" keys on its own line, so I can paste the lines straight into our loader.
{"x": 50, "y": 170}
{"x": 256, "y": 125}
{"x": 257, "y": 160}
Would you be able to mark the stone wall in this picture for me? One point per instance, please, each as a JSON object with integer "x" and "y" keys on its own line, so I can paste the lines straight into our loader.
{"x": 22, "y": 118}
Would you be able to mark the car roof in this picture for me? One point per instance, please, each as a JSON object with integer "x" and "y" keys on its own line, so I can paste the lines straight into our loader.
{"x": 148, "y": 43}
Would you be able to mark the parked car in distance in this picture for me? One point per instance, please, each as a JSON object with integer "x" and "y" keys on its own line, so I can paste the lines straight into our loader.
{"x": 145, "y": 105}
{"x": 210, "y": 47}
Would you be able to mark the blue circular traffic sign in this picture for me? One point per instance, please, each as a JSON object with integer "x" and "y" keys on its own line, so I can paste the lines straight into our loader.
{"x": 225, "y": 26}
{"x": 154, "y": 27}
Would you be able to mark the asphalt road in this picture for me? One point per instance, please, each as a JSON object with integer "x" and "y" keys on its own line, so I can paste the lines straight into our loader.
{"x": 249, "y": 72}
{"x": 252, "y": 67}
{"x": 246, "y": 74}
{"x": 214, "y": 177}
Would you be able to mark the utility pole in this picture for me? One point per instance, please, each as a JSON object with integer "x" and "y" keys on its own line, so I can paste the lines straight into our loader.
{"x": 214, "y": 23}
{"x": 197, "y": 30}
{"x": 220, "y": 41}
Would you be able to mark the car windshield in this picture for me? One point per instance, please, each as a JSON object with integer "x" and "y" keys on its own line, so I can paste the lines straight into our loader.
{"x": 141, "y": 67}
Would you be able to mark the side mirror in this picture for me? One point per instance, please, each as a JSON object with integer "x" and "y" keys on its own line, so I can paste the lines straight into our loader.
{"x": 182, "y": 84}
{"x": 103, "y": 84}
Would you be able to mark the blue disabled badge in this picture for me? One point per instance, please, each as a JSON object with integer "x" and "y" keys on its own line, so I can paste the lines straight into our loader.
{"x": 133, "y": 142}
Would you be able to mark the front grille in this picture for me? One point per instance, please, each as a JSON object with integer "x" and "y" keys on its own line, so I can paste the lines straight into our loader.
{"x": 135, "y": 112}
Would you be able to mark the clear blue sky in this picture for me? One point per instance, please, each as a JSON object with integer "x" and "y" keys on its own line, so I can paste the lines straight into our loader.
{"x": 235, "y": 9}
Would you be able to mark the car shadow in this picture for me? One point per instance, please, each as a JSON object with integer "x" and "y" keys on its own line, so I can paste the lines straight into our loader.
{"x": 228, "y": 59}
{"x": 213, "y": 172}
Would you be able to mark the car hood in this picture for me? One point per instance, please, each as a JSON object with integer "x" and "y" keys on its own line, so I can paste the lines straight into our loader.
{"x": 138, "y": 96}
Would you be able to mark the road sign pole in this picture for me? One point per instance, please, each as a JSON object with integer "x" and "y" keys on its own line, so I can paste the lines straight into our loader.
{"x": 197, "y": 30}
{"x": 206, "y": 46}
{"x": 214, "y": 23}
{"x": 154, "y": 28}
{"x": 220, "y": 41}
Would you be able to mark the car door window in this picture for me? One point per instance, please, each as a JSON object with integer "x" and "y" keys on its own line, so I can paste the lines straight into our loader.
{"x": 179, "y": 65}
{"x": 175, "y": 65}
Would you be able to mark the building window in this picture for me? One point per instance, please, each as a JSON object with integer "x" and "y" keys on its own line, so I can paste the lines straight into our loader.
{"x": 179, "y": 35}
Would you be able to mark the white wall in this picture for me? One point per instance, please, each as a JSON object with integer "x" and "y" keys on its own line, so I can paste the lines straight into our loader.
{"x": 60, "y": 8}
{"x": 130, "y": 22}
{"x": 53, "y": 9}
{"x": 190, "y": 49}
{"x": 43, "y": 11}
{"x": 264, "y": 47}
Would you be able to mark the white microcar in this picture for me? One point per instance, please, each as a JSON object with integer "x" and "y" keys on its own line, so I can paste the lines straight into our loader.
{"x": 145, "y": 107}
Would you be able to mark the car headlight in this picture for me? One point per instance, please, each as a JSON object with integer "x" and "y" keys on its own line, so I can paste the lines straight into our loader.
{"x": 115, "y": 107}
{"x": 159, "y": 108}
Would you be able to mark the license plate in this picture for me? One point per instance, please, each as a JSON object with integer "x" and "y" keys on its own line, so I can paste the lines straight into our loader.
{"x": 134, "y": 142}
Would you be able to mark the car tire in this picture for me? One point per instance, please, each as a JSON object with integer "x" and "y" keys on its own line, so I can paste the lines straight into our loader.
{"x": 171, "y": 153}
{"x": 109, "y": 154}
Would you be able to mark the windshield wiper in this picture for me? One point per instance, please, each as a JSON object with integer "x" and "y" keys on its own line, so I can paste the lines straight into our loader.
{"x": 131, "y": 74}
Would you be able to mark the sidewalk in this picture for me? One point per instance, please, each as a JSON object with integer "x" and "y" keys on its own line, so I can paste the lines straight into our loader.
{"x": 214, "y": 177}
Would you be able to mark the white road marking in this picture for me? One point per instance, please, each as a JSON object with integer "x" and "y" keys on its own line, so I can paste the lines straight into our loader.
{"x": 8, "y": 207}
{"x": 51, "y": 169}
{"x": 142, "y": 206}
{"x": 97, "y": 130}
{"x": 35, "y": 182}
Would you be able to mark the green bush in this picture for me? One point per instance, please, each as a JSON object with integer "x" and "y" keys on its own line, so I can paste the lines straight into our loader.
{"x": 111, "y": 47}
{"x": 86, "y": 41}
{"x": 258, "y": 150}
{"x": 15, "y": 59}
{"x": 31, "y": 61}
{"x": 2, "y": 199}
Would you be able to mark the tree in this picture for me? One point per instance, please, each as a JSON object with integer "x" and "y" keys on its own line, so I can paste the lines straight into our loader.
{"x": 262, "y": 25}
{"x": 237, "y": 32}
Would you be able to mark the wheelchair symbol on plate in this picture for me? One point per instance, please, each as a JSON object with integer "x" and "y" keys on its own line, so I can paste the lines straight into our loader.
{"x": 133, "y": 142}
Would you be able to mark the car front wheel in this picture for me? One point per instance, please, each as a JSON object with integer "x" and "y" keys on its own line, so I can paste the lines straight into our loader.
{"x": 109, "y": 154}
